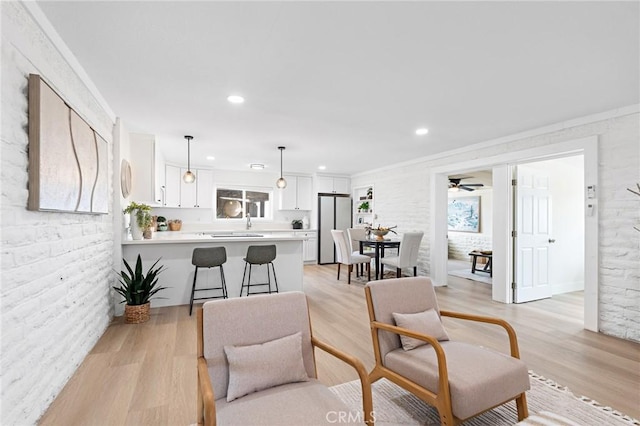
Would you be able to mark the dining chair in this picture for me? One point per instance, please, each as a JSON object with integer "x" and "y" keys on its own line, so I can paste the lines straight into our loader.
{"x": 346, "y": 256}
{"x": 356, "y": 235}
{"x": 407, "y": 254}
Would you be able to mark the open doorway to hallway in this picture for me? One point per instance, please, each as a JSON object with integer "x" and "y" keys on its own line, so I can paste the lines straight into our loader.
{"x": 469, "y": 226}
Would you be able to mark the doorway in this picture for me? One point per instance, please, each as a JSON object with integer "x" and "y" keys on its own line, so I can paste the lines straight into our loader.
{"x": 470, "y": 226}
{"x": 549, "y": 213}
{"x": 502, "y": 220}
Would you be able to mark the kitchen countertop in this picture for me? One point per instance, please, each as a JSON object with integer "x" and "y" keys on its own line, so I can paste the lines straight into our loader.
{"x": 177, "y": 237}
{"x": 169, "y": 237}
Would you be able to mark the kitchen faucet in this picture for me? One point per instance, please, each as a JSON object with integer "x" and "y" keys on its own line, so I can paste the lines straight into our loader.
{"x": 248, "y": 220}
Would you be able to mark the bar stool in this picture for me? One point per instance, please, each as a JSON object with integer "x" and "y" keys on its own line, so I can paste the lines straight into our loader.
{"x": 259, "y": 255}
{"x": 210, "y": 257}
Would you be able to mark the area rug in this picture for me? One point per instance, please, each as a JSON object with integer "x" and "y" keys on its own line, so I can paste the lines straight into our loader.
{"x": 393, "y": 405}
{"x": 483, "y": 277}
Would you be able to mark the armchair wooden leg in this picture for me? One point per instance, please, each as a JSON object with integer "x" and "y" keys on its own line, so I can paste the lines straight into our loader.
{"x": 415, "y": 271}
{"x": 338, "y": 272}
{"x": 446, "y": 416}
{"x": 521, "y": 403}
{"x": 398, "y": 272}
{"x": 349, "y": 277}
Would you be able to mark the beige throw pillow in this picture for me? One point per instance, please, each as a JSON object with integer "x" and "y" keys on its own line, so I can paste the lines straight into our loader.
{"x": 257, "y": 367}
{"x": 427, "y": 322}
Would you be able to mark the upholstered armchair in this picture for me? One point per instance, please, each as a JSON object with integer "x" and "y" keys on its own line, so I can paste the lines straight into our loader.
{"x": 413, "y": 350}
{"x": 256, "y": 365}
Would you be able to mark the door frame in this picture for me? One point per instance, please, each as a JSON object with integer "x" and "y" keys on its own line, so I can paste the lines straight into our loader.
{"x": 503, "y": 220}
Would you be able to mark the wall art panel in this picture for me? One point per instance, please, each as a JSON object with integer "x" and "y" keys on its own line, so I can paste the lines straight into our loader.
{"x": 67, "y": 158}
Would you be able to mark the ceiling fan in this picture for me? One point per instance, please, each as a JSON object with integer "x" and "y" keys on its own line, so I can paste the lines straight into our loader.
{"x": 455, "y": 185}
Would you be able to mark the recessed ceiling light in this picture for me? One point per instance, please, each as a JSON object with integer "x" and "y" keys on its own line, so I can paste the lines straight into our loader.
{"x": 210, "y": 157}
{"x": 322, "y": 167}
{"x": 235, "y": 99}
{"x": 257, "y": 166}
{"x": 422, "y": 131}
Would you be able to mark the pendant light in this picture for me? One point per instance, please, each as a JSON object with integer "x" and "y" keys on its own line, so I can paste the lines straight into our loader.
{"x": 189, "y": 177}
{"x": 281, "y": 183}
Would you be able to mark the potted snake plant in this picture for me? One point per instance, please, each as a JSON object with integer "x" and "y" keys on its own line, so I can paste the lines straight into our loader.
{"x": 137, "y": 289}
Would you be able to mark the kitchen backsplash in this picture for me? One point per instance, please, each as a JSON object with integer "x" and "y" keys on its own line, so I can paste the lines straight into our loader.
{"x": 203, "y": 219}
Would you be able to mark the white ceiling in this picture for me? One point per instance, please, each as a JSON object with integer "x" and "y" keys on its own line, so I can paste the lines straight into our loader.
{"x": 345, "y": 84}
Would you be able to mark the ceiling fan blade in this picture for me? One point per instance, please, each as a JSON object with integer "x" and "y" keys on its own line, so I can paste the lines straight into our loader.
{"x": 473, "y": 184}
{"x": 465, "y": 188}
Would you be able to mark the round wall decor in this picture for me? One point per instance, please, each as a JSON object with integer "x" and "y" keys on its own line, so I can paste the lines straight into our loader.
{"x": 125, "y": 178}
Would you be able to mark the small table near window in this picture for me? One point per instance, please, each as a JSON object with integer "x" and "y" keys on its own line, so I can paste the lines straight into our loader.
{"x": 487, "y": 267}
{"x": 379, "y": 246}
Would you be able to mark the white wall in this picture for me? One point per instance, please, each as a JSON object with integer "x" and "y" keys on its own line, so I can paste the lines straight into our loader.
{"x": 56, "y": 267}
{"x": 461, "y": 243}
{"x": 407, "y": 185}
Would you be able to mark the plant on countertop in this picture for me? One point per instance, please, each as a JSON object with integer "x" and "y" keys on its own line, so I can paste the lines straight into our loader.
{"x": 143, "y": 214}
{"x": 297, "y": 223}
{"x": 137, "y": 289}
{"x": 364, "y": 206}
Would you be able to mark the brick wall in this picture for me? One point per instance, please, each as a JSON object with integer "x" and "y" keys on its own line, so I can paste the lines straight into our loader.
{"x": 460, "y": 244}
{"x": 56, "y": 267}
{"x": 619, "y": 167}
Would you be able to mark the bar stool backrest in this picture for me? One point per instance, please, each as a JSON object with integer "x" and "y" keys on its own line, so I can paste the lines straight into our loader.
{"x": 259, "y": 255}
{"x": 209, "y": 257}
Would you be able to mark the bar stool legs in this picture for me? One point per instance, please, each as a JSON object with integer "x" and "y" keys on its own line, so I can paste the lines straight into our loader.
{"x": 259, "y": 255}
{"x": 211, "y": 257}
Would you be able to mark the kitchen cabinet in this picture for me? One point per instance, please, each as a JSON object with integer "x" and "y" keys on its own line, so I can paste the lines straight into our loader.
{"x": 333, "y": 184}
{"x": 204, "y": 188}
{"x": 298, "y": 194}
{"x": 173, "y": 180}
{"x": 147, "y": 165}
{"x": 188, "y": 195}
{"x": 309, "y": 245}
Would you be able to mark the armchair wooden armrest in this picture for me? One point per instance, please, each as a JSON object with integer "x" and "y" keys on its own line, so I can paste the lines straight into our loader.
{"x": 206, "y": 399}
{"x": 443, "y": 375}
{"x": 513, "y": 340}
{"x": 367, "y": 399}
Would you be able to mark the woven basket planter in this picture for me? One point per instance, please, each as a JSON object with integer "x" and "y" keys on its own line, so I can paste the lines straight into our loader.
{"x": 136, "y": 314}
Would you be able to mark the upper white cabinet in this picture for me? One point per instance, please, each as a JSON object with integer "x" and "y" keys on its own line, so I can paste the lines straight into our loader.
{"x": 333, "y": 184}
{"x": 204, "y": 188}
{"x": 147, "y": 167}
{"x": 298, "y": 194}
{"x": 188, "y": 195}
{"x": 173, "y": 180}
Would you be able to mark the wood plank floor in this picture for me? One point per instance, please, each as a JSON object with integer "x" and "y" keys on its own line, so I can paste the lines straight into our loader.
{"x": 146, "y": 374}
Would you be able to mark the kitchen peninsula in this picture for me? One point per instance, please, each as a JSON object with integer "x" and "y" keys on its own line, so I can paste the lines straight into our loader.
{"x": 175, "y": 250}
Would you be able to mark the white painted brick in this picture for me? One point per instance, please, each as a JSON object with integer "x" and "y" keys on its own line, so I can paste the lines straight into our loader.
{"x": 619, "y": 163}
{"x": 56, "y": 267}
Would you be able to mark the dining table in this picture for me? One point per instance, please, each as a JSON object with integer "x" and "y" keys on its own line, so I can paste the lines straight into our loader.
{"x": 379, "y": 246}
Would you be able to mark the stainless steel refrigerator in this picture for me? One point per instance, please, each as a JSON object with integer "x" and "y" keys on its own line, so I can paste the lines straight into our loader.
{"x": 334, "y": 212}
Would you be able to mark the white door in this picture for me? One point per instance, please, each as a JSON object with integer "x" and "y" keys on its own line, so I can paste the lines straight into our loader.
{"x": 533, "y": 235}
